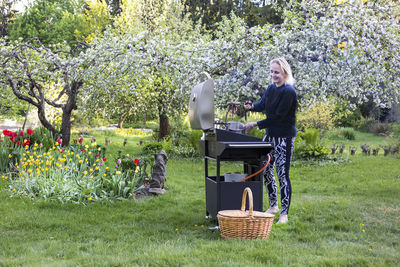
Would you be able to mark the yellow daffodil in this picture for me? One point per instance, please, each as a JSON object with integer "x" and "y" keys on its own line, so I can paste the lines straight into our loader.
{"x": 90, "y": 170}
{"x": 9, "y": 156}
{"x": 117, "y": 172}
{"x": 90, "y": 198}
{"x": 89, "y": 153}
{"x": 85, "y": 173}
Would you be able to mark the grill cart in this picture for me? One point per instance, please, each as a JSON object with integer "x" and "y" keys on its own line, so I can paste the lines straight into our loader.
{"x": 223, "y": 145}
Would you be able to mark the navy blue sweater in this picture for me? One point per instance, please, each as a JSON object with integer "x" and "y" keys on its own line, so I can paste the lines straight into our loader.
{"x": 279, "y": 104}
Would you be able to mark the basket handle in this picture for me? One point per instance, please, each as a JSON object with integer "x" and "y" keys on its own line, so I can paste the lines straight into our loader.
{"x": 246, "y": 191}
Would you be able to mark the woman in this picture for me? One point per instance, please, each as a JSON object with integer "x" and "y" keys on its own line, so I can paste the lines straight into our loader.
{"x": 279, "y": 102}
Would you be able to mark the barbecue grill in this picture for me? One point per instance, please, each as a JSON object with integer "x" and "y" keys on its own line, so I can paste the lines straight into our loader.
{"x": 220, "y": 145}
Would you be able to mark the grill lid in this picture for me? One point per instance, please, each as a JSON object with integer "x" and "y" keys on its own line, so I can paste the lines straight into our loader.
{"x": 201, "y": 104}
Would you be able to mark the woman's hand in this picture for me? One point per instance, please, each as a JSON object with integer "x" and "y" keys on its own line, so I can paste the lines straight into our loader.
{"x": 248, "y": 106}
{"x": 250, "y": 125}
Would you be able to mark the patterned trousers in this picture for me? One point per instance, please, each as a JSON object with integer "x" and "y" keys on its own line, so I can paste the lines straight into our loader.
{"x": 280, "y": 159}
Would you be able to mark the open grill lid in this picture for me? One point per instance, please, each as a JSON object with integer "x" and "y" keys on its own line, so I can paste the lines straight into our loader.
{"x": 201, "y": 104}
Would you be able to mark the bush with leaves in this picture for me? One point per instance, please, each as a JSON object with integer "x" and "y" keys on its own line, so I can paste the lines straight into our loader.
{"x": 307, "y": 145}
{"x": 318, "y": 116}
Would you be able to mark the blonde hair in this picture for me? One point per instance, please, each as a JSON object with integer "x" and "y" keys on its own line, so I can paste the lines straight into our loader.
{"x": 285, "y": 67}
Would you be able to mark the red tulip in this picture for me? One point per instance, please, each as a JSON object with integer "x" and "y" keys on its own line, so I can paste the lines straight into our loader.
{"x": 58, "y": 141}
{"x": 83, "y": 150}
{"x": 136, "y": 161}
{"x": 80, "y": 140}
{"x": 29, "y": 131}
{"x": 21, "y": 133}
{"x": 104, "y": 159}
{"x": 97, "y": 155}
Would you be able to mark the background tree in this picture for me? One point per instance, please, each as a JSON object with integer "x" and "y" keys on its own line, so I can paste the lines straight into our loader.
{"x": 345, "y": 51}
{"x": 32, "y": 71}
{"x": 253, "y": 12}
{"x": 7, "y": 15}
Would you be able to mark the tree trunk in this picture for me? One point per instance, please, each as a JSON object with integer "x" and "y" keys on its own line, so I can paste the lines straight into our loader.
{"x": 26, "y": 117}
{"x": 121, "y": 120}
{"x": 67, "y": 111}
{"x": 120, "y": 123}
{"x": 124, "y": 116}
{"x": 165, "y": 128}
{"x": 44, "y": 121}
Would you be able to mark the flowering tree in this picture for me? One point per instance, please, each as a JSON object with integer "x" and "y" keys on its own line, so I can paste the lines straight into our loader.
{"x": 32, "y": 71}
{"x": 346, "y": 50}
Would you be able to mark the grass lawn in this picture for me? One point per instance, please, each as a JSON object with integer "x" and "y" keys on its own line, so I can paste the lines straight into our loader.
{"x": 344, "y": 214}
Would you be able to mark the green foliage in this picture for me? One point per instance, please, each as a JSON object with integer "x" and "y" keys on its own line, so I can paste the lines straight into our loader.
{"x": 50, "y": 20}
{"x": 348, "y": 133}
{"x": 365, "y": 124}
{"x": 344, "y": 116}
{"x": 151, "y": 148}
{"x": 318, "y": 116}
{"x": 310, "y": 136}
{"x": 211, "y": 13}
{"x": 93, "y": 21}
{"x": 7, "y": 15}
{"x": 44, "y": 138}
{"x": 307, "y": 146}
{"x": 380, "y": 128}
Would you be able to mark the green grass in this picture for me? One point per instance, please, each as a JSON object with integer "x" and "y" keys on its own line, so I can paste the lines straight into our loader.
{"x": 331, "y": 206}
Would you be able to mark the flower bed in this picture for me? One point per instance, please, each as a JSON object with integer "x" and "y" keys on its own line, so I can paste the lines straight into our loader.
{"x": 77, "y": 173}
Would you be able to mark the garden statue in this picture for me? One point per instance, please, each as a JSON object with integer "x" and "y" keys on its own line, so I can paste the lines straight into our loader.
{"x": 366, "y": 149}
{"x": 341, "y": 150}
{"x": 158, "y": 176}
{"x": 386, "y": 150}
{"x": 375, "y": 151}
{"x": 333, "y": 148}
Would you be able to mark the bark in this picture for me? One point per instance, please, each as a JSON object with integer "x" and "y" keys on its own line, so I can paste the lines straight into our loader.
{"x": 67, "y": 111}
{"x": 165, "y": 128}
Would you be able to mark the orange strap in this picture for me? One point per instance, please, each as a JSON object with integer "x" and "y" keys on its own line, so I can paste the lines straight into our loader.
{"x": 254, "y": 174}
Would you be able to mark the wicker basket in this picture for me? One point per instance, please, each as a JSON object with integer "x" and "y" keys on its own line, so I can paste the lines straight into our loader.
{"x": 245, "y": 224}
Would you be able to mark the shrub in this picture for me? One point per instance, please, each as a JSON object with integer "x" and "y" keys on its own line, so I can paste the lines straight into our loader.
{"x": 380, "y": 128}
{"x": 344, "y": 116}
{"x": 348, "y": 133}
{"x": 364, "y": 124}
{"x": 307, "y": 145}
{"x": 152, "y": 148}
{"x": 318, "y": 116}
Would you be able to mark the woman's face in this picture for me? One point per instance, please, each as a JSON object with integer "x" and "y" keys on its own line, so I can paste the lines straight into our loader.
{"x": 277, "y": 75}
